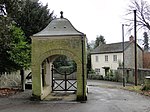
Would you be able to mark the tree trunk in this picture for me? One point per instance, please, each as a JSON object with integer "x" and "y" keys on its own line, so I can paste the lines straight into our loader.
{"x": 22, "y": 80}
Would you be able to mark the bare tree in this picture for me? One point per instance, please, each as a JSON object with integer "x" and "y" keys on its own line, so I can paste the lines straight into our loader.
{"x": 142, "y": 8}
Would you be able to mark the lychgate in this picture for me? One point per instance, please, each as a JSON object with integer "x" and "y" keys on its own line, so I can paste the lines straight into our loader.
{"x": 58, "y": 38}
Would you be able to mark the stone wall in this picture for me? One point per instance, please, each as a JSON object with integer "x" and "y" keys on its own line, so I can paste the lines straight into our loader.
{"x": 130, "y": 77}
{"x": 129, "y": 56}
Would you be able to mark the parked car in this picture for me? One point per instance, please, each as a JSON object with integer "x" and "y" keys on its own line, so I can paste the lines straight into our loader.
{"x": 28, "y": 81}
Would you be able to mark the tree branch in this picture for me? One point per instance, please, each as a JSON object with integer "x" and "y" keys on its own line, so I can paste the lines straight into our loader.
{"x": 143, "y": 13}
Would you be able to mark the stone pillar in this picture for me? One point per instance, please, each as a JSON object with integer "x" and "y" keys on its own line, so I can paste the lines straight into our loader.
{"x": 147, "y": 83}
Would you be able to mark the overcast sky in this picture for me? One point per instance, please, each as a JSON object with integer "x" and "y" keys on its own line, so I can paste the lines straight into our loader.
{"x": 93, "y": 17}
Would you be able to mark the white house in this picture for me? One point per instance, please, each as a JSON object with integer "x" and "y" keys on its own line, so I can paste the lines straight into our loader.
{"x": 107, "y": 57}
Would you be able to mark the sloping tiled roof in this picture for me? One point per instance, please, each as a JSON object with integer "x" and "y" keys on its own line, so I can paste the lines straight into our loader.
{"x": 110, "y": 48}
{"x": 58, "y": 27}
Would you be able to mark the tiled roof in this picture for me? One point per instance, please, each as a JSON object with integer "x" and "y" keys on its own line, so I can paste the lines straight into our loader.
{"x": 110, "y": 48}
{"x": 58, "y": 27}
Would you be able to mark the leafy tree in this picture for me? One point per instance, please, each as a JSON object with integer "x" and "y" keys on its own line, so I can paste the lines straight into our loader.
{"x": 20, "y": 52}
{"x": 63, "y": 62}
{"x": 14, "y": 50}
{"x": 20, "y": 49}
{"x": 31, "y": 16}
{"x": 34, "y": 18}
{"x": 143, "y": 13}
{"x": 90, "y": 45}
{"x": 13, "y": 7}
{"x": 6, "y": 64}
{"x": 99, "y": 40}
{"x": 146, "y": 44}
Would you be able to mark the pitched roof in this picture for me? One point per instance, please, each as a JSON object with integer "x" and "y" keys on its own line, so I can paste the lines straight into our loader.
{"x": 111, "y": 48}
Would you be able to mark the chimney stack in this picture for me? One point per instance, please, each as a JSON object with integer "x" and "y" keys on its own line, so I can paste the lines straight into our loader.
{"x": 131, "y": 38}
{"x": 100, "y": 43}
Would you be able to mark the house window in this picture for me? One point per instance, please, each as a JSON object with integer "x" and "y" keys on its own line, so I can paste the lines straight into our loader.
{"x": 96, "y": 58}
{"x": 115, "y": 58}
{"x": 97, "y": 70}
{"x": 106, "y": 57}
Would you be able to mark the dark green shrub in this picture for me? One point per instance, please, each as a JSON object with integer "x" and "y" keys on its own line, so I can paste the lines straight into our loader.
{"x": 95, "y": 77}
{"x": 145, "y": 88}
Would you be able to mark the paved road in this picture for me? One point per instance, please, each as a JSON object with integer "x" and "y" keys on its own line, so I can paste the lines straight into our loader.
{"x": 102, "y": 97}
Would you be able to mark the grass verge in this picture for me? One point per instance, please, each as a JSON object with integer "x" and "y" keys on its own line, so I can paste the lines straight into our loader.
{"x": 137, "y": 89}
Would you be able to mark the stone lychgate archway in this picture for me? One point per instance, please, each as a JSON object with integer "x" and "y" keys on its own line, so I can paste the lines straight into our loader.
{"x": 58, "y": 38}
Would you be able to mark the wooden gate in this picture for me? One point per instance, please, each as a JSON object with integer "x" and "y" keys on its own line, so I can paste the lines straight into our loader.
{"x": 63, "y": 81}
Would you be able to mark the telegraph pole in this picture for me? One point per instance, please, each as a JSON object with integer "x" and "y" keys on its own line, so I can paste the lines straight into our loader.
{"x": 123, "y": 54}
{"x": 135, "y": 48}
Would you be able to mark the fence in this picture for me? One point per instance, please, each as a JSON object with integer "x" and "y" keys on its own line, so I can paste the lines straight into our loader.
{"x": 130, "y": 75}
{"x": 11, "y": 80}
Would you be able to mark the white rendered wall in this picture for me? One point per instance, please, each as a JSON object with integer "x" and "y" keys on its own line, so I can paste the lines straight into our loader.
{"x": 102, "y": 63}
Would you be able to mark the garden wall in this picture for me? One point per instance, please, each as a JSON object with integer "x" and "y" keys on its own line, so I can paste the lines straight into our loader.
{"x": 130, "y": 76}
